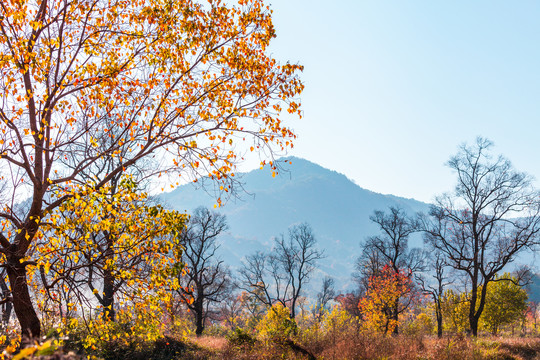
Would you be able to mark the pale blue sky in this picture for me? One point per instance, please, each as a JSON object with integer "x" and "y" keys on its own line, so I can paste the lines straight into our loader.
{"x": 393, "y": 87}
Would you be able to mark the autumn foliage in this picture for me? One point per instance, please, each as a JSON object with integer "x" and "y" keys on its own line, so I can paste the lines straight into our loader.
{"x": 113, "y": 243}
{"x": 99, "y": 97}
{"x": 163, "y": 87}
{"x": 388, "y": 295}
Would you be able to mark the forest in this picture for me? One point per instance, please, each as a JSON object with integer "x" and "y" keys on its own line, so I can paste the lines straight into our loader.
{"x": 102, "y": 100}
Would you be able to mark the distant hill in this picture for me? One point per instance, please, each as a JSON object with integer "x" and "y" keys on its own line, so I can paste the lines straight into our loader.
{"x": 337, "y": 209}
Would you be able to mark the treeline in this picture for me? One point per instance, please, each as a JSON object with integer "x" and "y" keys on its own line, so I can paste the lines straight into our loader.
{"x": 457, "y": 283}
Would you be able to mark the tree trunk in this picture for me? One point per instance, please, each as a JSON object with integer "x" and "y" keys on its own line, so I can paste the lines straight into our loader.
{"x": 473, "y": 320}
{"x": 6, "y": 314}
{"x": 109, "y": 313}
{"x": 8, "y": 305}
{"x": 108, "y": 282}
{"x": 292, "y": 310}
{"x": 474, "y": 313}
{"x": 199, "y": 325}
{"x": 199, "y": 317}
{"x": 395, "y": 315}
{"x": 439, "y": 326}
{"x": 22, "y": 303}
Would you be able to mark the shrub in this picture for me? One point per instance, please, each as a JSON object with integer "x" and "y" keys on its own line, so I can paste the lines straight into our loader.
{"x": 277, "y": 325}
{"x": 242, "y": 338}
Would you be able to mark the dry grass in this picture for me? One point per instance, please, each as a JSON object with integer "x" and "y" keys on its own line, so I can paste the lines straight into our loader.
{"x": 352, "y": 346}
{"x": 215, "y": 343}
{"x": 363, "y": 347}
{"x": 520, "y": 349}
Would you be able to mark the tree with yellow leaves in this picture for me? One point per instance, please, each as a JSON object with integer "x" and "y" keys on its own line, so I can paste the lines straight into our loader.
{"x": 185, "y": 82}
{"x": 506, "y": 303}
{"x": 455, "y": 307}
{"x": 112, "y": 243}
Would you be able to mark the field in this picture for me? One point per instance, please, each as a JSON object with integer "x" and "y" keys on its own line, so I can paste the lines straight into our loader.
{"x": 354, "y": 347}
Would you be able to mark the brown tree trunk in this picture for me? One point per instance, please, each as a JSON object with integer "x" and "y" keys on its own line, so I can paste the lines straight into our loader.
{"x": 22, "y": 303}
{"x": 108, "y": 282}
{"x": 109, "y": 313}
{"x": 395, "y": 315}
{"x": 474, "y": 325}
{"x": 199, "y": 316}
{"x": 475, "y": 313}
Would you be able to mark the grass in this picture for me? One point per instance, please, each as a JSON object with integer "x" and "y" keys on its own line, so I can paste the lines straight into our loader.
{"x": 352, "y": 346}
{"x": 364, "y": 347}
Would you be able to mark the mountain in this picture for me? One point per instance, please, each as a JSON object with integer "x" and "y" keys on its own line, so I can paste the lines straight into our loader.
{"x": 337, "y": 209}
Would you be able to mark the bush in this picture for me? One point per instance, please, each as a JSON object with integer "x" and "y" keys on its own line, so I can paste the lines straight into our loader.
{"x": 277, "y": 326}
{"x": 241, "y": 338}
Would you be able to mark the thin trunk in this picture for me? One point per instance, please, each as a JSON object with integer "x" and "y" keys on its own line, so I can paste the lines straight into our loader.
{"x": 473, "y": 319}
{"x": 438, "y": 309}
{"x": 6, "y": 314}
{"x": 7, "y": 306}
{"x": 439, "y": 326}
{"x": 293, "y": 306}
{"x": 22, "y": 303}
{"x": 395, "y": 315}
{"x": 474, "y": 313}
{"x": 438, "y": 314}
{"x": 108, "y": 282}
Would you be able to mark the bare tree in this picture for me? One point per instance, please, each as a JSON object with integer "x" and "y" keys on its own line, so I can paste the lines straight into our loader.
{"x": 369, "y": 263}
{"x": 390, "y": 248}
{"x": 230, "y": 311}
{"x": 279, "y": 277}
{"x": 492, "y": 215}
{"x": 435, "y": 289}
{"x": 207, "y": 280}
{"x": 327, "y": 294}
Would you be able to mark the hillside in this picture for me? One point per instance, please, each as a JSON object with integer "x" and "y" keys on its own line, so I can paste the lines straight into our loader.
{"x": 337, "y": 209}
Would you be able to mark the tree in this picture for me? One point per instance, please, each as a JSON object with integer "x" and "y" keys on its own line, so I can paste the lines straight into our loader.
{"x": 389, "y": 294}
{"x": 390, "y": 250}
{"x": 279, "y": 277}
{"x": 349, "y": 302}
{"x": 106, "y": 245}
{"x": 455, "y": 310}
{"x": 327, "y": 294}
{"x": 435, "y": 290}
{"x": 186, "y": 83}
{"x": 492, "y": 215}
{"x": 532, "y": 313}
{"x": 506, "y": 302}
{"x": 207, "y": 280}
{"x": 230, "y": 311}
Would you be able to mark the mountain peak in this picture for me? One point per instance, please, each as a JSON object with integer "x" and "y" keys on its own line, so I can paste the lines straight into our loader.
{"x": 337, "y": 209}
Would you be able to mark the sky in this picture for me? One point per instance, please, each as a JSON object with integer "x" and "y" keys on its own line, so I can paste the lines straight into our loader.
{"x": 392, "y": 88}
